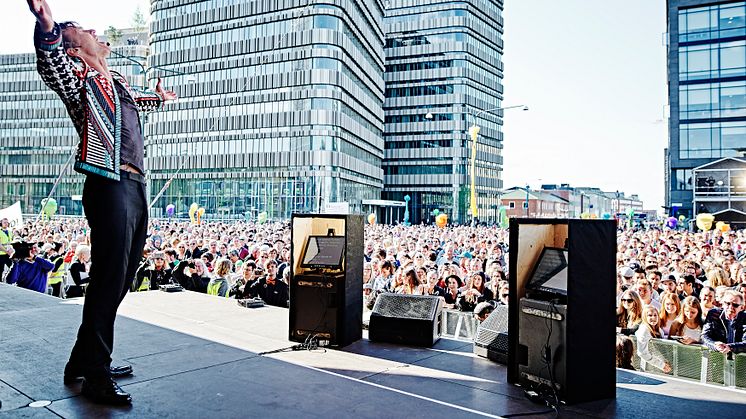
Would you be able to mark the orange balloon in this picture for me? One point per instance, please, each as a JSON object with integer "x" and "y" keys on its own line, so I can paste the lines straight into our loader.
{"x": 441, "y": 220}
{"x": 371, "y": 219}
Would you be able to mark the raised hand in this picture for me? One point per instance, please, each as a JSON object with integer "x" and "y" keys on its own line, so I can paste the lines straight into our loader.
{"x": 43, "y": 14}
{"x": 166, "y": 94}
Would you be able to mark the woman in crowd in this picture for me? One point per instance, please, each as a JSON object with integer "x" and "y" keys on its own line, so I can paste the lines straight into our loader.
{"x": 78, "y": 271}
{"x": 411, "y": 284}
{"x": 717, "y": 276}
{"x": 707, "y": 297}
{"x": 629, "y": 313}
{"x": 218, "y": 285}
{"x": 649, "y": 329}
{"x": 452, "y": 292}
{"x": 670, "y": 310}
{"x": 476, "y": 293}
{"x": 193, "y": 276}
{"x": 688, "y": 327}
{"x": 624, "y": 352}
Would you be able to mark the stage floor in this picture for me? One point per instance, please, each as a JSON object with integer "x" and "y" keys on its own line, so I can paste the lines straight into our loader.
{"x": 197, "y": 356}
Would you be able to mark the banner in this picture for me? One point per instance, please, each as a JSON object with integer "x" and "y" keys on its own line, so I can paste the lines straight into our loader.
{"x": 13, "y": 214}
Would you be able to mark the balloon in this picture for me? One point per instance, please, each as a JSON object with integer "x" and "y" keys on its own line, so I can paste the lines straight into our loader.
{"x": 49, "y": 206}
{"x": 672, "y": 222}
{"x": 585, "y": 216}
{"x": 371, "y": 218}
{"x": 594, "y": 216}
{"x": 606, "y": 216}
{"x": 724, "y": 227}
{"x": 170, "y": 209}
{"x": 682, "y": 218}
{"x": 704, "y": 221}
{"x": 436, "y": 212}
{"x": 502, "y": 217}
{"x": 193, "y": 209}
{"x": 200, "y": 213}
{"x": 441, "y": 220}
{"x": 262, "y": 217}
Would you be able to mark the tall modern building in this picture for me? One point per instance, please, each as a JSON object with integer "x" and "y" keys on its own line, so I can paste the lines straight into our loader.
{"x": 707, "y": 91}
{"x": 280, "y": 106}
{"x": 37, "y": 137}
{"x": 443, "y": 66}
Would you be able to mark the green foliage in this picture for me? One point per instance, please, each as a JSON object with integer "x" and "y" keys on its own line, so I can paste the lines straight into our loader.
{"x": 113, "y": 34}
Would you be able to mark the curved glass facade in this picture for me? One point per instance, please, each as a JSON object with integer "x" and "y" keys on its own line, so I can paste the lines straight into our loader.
{"x": 443, "y": 59}
{"x": 37, "y": 136}
{"x": 279, "y": 110}
{"x": 707, "y": 90}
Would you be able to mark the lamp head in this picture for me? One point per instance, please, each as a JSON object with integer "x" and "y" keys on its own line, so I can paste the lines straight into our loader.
{"x": 429, "y": 116}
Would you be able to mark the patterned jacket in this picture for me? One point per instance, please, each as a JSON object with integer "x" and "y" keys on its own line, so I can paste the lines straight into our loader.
{"x": 92, "y": 102}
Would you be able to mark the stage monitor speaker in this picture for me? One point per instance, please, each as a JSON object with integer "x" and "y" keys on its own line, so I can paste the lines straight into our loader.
{"x": 327, "y": 303}
{"x": 492, "y": 336}
{"x": 406, "y": 319}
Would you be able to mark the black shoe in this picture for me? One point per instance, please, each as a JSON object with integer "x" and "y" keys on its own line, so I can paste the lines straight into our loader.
{"x": 105, "y": 391}
{"x": 116, "y": 372}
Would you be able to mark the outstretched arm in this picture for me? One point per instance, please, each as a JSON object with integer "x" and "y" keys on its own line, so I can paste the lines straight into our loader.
{"x": 43, "y": 14}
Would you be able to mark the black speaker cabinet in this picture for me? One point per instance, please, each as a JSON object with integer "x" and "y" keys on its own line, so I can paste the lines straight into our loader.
{"x": 492, "y": 336}
{"x": 327, "y": 303}
{"x": 581, "y": 346}
{"x": 406, "y": 319}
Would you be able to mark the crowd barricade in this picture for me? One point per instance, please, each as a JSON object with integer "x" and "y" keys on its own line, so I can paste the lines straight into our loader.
{"x": 458, "y": 325}
{"x": 697, "y": 363}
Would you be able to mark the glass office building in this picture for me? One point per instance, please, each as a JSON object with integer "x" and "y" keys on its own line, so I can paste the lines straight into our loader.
{"x": 37, "y": 137}
{"x": 279, "y": 110}
{"x": 707, "y": 91}
{"x": 443, "y": 65}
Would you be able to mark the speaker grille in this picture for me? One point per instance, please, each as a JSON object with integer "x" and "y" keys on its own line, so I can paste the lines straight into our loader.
{"x": 406, "y": 306}
{"x": 494, "y": 326}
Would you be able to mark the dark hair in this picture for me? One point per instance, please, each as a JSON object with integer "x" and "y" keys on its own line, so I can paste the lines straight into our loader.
{"x": 689, "y": 279}
{"x": 624, "y": 352}
{"x": 387, "y": 264}
{"x": 458, "y": 280}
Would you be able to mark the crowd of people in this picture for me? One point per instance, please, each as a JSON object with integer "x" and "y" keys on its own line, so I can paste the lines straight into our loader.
{"x": 671, "y": 284}
{"x": 679, "y": 285}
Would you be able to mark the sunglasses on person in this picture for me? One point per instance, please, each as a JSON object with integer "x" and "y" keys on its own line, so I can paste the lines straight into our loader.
{"x": 504, "y": 295}
{"x": 732, "y": 304}
{"x": 69, "y": 24}
{"x": 627, "y": 300}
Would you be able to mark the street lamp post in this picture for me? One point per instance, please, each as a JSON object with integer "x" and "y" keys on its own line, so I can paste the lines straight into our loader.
{"x": 527, "y": 189}
{"x": 144, "y": 71}
{"x": 474, "y": 134}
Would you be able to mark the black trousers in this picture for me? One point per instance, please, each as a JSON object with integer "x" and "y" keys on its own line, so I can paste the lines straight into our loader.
{"x": 117, "y": 216}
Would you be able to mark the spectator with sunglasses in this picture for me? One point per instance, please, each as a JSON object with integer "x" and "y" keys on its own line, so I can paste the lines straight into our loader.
{"x": 725, "y": 328}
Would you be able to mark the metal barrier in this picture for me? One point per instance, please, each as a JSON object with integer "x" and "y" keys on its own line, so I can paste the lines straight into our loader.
{"x": 695, "y": 362}
{"x": 459, "y": 325}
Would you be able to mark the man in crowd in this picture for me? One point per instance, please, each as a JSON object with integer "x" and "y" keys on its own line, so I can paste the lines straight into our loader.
{"x": 725, "y": 328}
{"x": 6, "y": 250}
{"x": 104, "y": 110}
{"x": 269, "y": 288}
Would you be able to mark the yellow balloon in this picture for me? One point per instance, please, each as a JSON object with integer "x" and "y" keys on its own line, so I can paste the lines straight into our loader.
{"x": 192, "y": 211}
{"x": 585, "y": 216}
{"x": 724, "y": 227}
{"x": 704, "y": 221}
{"x": 371, "y": 218}
{"x": 441, "y": 220}
{"x": 201, "y": 211}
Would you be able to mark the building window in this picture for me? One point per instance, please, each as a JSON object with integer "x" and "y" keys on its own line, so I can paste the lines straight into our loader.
{"x": 511, "y": 204}
{"x": 525, "y": 205}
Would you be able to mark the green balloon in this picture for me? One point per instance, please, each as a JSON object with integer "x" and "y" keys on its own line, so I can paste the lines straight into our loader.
{"x": 49, "y": 206}
{"x": 436, "y": 212}
{"x": 262, "y": 217}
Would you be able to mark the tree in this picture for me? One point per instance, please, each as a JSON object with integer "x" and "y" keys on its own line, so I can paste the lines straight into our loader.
{"x": 138, "y": 20}
{"x": 113, "y": 35}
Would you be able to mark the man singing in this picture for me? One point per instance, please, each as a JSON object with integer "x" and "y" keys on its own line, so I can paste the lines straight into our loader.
{"x": 104, "y": 109}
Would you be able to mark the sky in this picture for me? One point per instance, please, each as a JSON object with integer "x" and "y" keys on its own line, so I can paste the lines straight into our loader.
{"x": 592, "y": 72}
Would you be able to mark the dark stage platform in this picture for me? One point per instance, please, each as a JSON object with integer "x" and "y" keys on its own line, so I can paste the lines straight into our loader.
{"x": 197, "y": 356}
